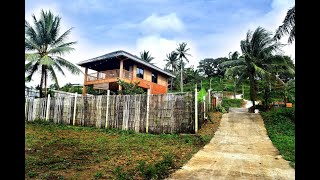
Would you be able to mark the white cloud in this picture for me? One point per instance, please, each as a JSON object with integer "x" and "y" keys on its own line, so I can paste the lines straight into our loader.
{"x": 157, "y": 24}
{"x": 159, "y": 47}
{"x": 220, "y": 44}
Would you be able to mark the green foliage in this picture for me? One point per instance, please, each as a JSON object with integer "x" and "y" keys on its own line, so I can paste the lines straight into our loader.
{"x": 121, "y": 174}
{"x": 201, "y": 94}
{"x": 70, "y": 88}
{"x": 220, "y": 108}
{"x": 226, "y": 103}
{"x": 281, "y": 130}
{"x": 32, "y": 174}
{"x": 146, "y": 56}
{"x": 97, "y": 175}
{"x": 288, "y": 26}
{"x": 158, "y": 170}
{"x": 211, "y": 67}
{"x": 130, "y": 88}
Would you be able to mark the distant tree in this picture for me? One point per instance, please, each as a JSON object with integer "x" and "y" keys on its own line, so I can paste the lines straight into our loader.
{"x": 234, "y": 55}
{"x": 211, "y": 67}
{"x": 191, "y": 75}
{"x": 146, "y": 56}
{"x": 172, "y": 60}
{"x": 44, "y": 47}
{"x": 288, "y": 26}
{"x": 182, "y": 55}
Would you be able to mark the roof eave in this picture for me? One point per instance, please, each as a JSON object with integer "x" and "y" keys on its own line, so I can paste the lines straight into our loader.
{"x": 129, "y": 56}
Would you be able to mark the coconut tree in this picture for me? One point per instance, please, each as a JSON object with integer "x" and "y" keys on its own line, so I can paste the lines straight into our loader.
{"x": 182, "y": 55}
{"x": 258, "y": 49}
{"x": 146, "y": 56}
{"x": 44, "y": 48}
{"x": 288, "y": 26}
{"x": 172, "y": 59}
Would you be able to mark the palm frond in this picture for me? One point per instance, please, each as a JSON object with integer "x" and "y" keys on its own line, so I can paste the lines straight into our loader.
{"x": 62, "y": 49}
{"x": 55, "y": 65}
{"x": 53, "y": 75}
{"x": 287, "y": 27}
{"x": 46, "y": 60}
{"x": 32, "y": 57}
{"x": 68, "y": 65}
{"x": 62, "y": 38}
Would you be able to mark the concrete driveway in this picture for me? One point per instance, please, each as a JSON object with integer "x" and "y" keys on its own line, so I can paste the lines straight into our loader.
{"x": 240, "y": 149}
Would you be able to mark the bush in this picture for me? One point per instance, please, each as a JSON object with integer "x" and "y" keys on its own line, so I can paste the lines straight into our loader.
{"x": 221, "y": 108}
{"x": 226, "y": 103}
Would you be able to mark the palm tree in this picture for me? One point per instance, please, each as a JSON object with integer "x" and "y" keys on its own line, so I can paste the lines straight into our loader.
{"x": 146, "y": 56}
{"x": 45, "y": 47}
{"x": 234, "y": 55}
{"x": 182, "y": 55}
{"x": 172, "y": 63}
{"x": 257, "y": 49}
{"x": 288, "y": 26}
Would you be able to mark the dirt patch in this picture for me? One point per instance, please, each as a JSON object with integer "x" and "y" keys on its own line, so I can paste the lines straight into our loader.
{"x": 212, "y": 125}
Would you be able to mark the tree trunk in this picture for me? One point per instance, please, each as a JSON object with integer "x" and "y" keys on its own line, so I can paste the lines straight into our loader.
{"x": 252, "y": 91}
{"x": 45, "y": 84}
{"x": 41, "y": 82}
{"x": 181, "y": 79}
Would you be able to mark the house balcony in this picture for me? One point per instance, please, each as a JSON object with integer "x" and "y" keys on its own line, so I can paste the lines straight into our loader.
{"x": 108, "y": 76}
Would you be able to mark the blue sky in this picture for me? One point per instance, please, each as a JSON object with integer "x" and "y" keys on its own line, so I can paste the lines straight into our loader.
{"x": 212, "y": 28}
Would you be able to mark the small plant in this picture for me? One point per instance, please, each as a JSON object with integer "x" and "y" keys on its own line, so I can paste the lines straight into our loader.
{"x": 32, "y": 174}
{"x": 97, "y": 175}
{"x": 221, "y": 108}
{"x": 121, "y": 174}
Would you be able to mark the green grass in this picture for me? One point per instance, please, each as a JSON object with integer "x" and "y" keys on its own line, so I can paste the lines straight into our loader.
{"x": 280, "y": 124}
{"x": 226, "y": 103}
{"x": 71, "y": 152}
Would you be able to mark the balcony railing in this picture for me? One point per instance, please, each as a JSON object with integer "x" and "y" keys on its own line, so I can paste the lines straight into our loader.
{"x": 115, "y": 73}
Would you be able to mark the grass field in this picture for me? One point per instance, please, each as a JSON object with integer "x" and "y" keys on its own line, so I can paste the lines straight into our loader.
{"x": 280, "y": 125}
{"x": 69, "y": 152}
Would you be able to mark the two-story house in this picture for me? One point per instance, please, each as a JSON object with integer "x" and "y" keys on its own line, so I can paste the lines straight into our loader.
{"x": 125, "y": 66}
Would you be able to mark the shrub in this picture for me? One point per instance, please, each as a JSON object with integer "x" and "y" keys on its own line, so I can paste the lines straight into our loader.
{"x": 221, "y": 108}
{"x": 226, "y": 103}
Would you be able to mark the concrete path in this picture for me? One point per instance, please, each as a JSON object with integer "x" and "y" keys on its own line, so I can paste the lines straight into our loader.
{"x": 240, "y": 149}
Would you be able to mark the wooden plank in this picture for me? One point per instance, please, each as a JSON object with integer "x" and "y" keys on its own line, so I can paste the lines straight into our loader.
{"x": 147, "y": 112}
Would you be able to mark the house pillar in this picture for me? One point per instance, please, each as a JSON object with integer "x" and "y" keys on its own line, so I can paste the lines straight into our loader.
{"x": 121, "y": 73}
{"x": 84, "y": 90}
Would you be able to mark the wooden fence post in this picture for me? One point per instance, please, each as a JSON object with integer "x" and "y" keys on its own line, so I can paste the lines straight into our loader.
{"x": 147, "y": 115}
{"x": 204, "y": 107}
{"x": 196, "y": 109}
{"x": 74, "y": 109}
{"x": 209, "y": 101}
{"x": 107, "y": 110}
{"x": 25, "y": 108}
{"x": 48, "y": 108}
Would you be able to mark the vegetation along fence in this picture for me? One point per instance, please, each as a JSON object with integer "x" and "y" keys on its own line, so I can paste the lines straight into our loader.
{"x": 165, "y": 113}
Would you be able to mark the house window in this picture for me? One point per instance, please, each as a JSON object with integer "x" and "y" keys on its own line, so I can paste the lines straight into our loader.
{"x": 154, "y": 77}
{"x": 139, "y": 72}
